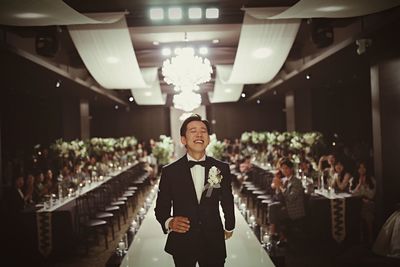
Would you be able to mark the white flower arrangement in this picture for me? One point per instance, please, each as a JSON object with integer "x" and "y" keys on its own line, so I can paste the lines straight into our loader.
{"x": 214, "y": 180}
{"x": 215, "y": 148}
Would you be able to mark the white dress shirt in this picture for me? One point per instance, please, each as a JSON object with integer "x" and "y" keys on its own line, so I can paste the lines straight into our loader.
{"x": 198, "y": 173}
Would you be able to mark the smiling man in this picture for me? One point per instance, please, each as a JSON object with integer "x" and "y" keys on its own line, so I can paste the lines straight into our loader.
{"x": 193, "y": 187}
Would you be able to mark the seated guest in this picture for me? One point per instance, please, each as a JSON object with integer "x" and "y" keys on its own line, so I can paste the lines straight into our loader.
{"x": 364, "y": 186}
{"x": 16, "y": 198}
{"x": 50, "y": 183}
{"x": 39, "y": 189}
{"x": 246, "y": 165}
{"x": 326, "y": 168}
{"x": 291, "y": 205}
{"x": 341, "y": 178}
{"x": 29, "y": 189}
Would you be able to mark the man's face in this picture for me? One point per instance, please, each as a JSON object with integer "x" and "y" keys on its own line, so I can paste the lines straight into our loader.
{"x": 286, "y": 171}
{"x": 196, "y": 138}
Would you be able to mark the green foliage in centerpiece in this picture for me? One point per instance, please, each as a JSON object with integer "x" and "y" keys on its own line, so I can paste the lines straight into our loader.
{"x": 163, "y": 150}
{"x": 216, "y": 148}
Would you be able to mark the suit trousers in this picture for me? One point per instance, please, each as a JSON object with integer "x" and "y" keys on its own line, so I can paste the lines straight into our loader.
{"x": 191, "y": 262}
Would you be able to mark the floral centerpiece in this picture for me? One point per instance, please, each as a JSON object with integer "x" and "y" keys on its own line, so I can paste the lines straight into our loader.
{"x": 216, "y": 148}
{"x": 163, "y": 150}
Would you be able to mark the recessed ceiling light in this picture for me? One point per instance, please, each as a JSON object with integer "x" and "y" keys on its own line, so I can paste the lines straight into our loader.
{"x": 203, "y": 50}
{"x": 262, "y": 52}
{"x": 166, "y": 51}
{"x": 156, "y": 43}
{"x": 175, "y": 13}
{"x": 228, "y": 90}
{"x": 156, "y": 13}
{"x": 243, "y": 95}
{"x": 148, "y": 93}
{"x": 258, "y": 101}
{"x": 58, "y": 83}
{"x": 308, "y": 76}
{"x": 212, "y": 13}
{"x": 331, "y": 8}
{"x": 215, "y": 41}
{"x": 195, "y": 13}
{"x": 112, "y": 59}
{"x": 131, "y": 99}
{"x": 30, "y": 15}
{"x": 116, "y": 106}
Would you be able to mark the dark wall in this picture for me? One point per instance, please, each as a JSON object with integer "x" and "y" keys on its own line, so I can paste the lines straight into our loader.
{"x": 232, "y": 119}
{"x": 386, "y": 56}
{"x": 142, "y": 122}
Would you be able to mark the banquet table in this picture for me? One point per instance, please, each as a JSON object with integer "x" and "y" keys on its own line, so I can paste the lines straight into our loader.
{"x": 50, "y": 232}
{"x": 147, "y": 248}
{"x": 334, "y": 217}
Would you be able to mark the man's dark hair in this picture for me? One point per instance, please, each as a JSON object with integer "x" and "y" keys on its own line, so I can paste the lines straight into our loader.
{"x": 287, "y": 162}
{"x": 193, "y": 117}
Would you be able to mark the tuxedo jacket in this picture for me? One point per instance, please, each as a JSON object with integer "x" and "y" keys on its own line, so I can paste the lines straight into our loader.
{"x": 177, "y": 195}
{"x": 294, "y": 198}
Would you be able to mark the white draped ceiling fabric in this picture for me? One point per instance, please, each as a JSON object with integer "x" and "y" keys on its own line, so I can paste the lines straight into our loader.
{"x": 224, "y": 92}
{"x": 150, "y": 95}
{"x": 263, "y": 48}
{"x": 44, "y": 13}
{"x": 108, "y": 54}
{"x": 335, "y": 8}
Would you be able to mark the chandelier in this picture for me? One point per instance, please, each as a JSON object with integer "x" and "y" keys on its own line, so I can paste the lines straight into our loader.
{"x": 186, "y": 72}
{"x": 187, "y": 101}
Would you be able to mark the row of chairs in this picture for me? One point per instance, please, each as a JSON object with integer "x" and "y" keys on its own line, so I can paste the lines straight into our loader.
{"x": 100, "y": 209}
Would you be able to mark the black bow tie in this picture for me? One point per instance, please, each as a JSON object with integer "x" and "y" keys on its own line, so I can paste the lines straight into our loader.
{"x": 191, "y": 163}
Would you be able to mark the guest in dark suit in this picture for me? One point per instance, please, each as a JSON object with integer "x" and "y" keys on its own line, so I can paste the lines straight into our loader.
{"x": 194, "y": 186}
{"x": 291, "y": 205}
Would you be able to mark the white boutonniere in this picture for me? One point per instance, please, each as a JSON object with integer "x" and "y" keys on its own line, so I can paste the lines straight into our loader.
{"x": 214, "y": 180}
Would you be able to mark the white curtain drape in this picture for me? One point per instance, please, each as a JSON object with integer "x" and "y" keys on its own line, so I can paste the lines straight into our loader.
{"x": 44, "y": 13}
{"x": 108, "y": 54}
{"x": 152, "y": 94}
{"x": 325, "y": 9}
{"x": 224, "y": 92}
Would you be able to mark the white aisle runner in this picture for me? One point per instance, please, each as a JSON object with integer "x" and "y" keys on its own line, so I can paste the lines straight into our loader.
{"x": 147, "y": 249}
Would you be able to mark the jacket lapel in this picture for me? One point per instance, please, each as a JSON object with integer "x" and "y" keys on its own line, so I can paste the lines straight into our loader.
{"x": 188, "y": 175}
{"x": 206, "y": 171}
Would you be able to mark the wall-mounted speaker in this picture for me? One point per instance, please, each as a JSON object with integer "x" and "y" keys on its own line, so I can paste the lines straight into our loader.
{"x": 321, "y": 32}
{"x": 46, "y": 43}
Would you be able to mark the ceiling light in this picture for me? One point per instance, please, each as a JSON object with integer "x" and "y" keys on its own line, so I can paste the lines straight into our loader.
{"x": 263, "y": 52}
{"x": 331, "y": 8}
{"x": 203, "y": 50}
{"x": 258, "y": 101}
{"x": 156, "y": 13}
{"x": 112, "y": 59}
{"x": 215, "y": 41}
{"x": 308, "y": 76}
{"x": 177, "y": 50}
{"x": 195, "y": 13}
{"x": 148, "y": 93}
{"x": 243, "y": 95}
{"x": 228, "y": 90}
{"x": 116, "y": 107}
{"x": 58, "y": 83}
{"x": 156, "y": 43}
{"x": 166, "y": 51}
{"x": 131, "y": 99}
{"x": 175, "y": 13}
{"x": 30, "y": 15}
{"x": 212, "y": 13}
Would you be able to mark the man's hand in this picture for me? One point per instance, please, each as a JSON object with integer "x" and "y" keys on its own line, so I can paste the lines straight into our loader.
{"x": 179, "y": 224}
{"x": 228, "y": 234}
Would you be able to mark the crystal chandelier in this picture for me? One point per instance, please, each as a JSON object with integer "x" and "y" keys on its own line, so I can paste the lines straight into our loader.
{"x": 187, "y": 100}
{"x": 186, "y": 70}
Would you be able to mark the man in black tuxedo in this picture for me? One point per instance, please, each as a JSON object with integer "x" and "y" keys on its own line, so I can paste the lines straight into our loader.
{"x": 195, "y": 230}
